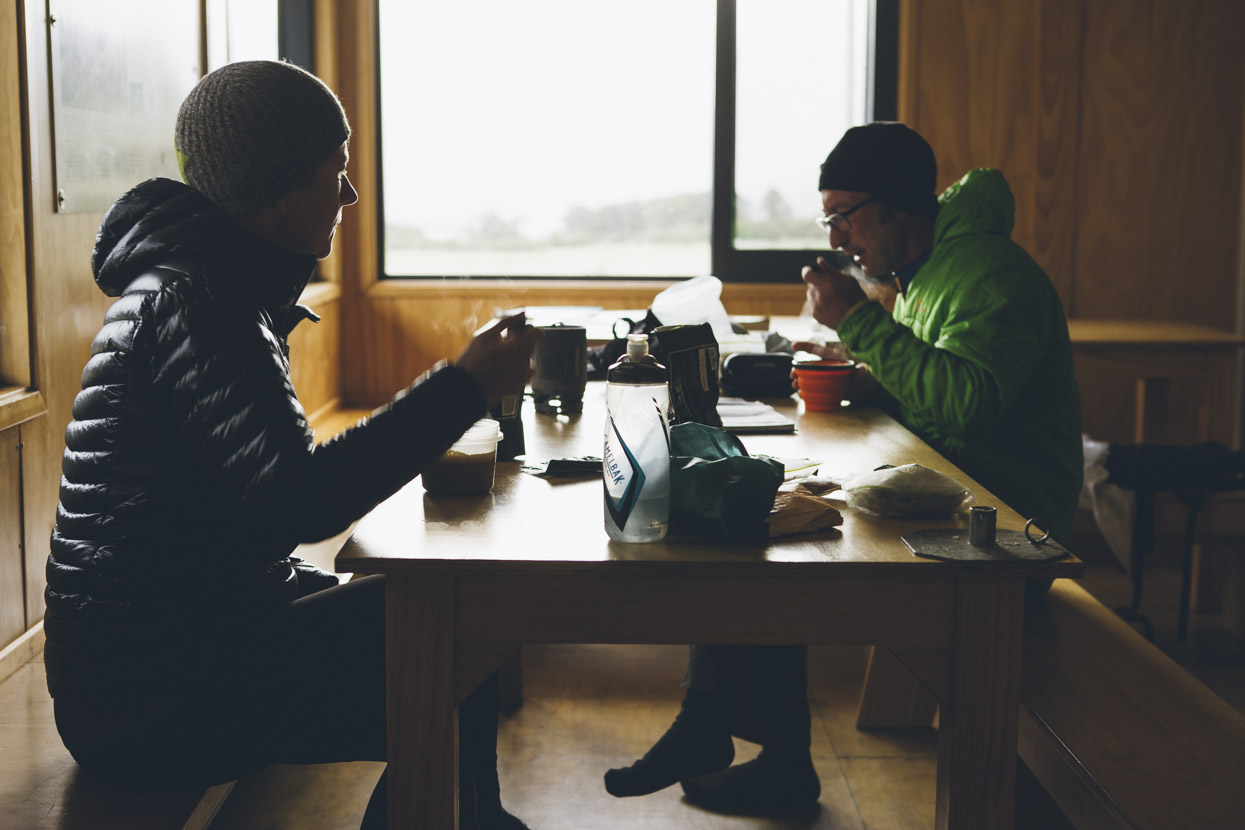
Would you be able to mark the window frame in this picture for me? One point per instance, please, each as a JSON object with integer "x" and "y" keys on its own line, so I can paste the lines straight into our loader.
{"x": 20, "y": 399}
{"x": 728, "y": 263}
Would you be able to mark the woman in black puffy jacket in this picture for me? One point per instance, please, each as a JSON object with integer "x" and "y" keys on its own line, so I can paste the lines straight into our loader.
{"x": 184, "y": 644}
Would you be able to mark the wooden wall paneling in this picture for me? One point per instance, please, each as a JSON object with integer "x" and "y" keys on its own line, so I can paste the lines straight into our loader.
{"x": 315, "y": 349}
{"x": 413, "y": 324}
{"x": 997, "y": 85}
{"x": 1057, "y": 122}
{"x": 66, "y": 311}
{"x": 1160, "y": 159}
{"x": 14, "y": 337}
{"x": 324, "y": 29}
{"x": 12, "y": 601}
{"x": 1107, "y": 402}
{"x": 782, "y": 299}
{"x": 351, "y": 70}
{"x": 974, "y": 91}
{"x": 1153, "y": 395}
{"x": 1238, "y": 404}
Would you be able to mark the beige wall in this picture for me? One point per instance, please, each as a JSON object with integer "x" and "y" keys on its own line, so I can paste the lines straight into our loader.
{"x": 1119, "y": 124}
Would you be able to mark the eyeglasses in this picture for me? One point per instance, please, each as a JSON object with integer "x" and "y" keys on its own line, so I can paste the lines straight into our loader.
{"x": 839, "y": 221}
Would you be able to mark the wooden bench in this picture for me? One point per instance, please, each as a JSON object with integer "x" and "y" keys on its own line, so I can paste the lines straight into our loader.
{"x": 1118, "y": 734}
{"x": 42, "y": 788}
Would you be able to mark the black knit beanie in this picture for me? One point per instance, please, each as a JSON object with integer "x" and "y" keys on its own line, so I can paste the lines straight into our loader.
{"x": 252, "y": 131}
{"x": 888, "y": 160}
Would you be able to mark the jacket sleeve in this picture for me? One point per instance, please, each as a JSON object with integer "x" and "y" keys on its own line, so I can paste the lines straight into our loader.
{"x": 229, "y": 391}
{"x": 987, "y": 347}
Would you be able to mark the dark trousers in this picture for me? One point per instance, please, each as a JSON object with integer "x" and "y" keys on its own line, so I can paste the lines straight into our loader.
{"x": 305, "y": 687}
{"x": 766, "y": 686}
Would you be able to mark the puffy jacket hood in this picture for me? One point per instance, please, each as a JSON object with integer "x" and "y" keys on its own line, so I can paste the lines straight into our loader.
{"x": 980, "y": 202}
{"x": 162, "y": 221}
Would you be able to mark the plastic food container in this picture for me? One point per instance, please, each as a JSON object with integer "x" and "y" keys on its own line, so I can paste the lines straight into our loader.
{"x": 468, "y": 467}
{"x": 823, "y": 383}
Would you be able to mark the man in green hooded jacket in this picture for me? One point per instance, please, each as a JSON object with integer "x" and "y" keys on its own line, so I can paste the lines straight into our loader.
{"x": 963, "y": 340}
{"x": 975, "y": 357}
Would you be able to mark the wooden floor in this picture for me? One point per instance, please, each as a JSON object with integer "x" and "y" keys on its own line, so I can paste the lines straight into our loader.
{"x": 589, "y": 708}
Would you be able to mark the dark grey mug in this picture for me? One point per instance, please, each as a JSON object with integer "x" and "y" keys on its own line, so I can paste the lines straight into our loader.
{"x": 561, "y": 370}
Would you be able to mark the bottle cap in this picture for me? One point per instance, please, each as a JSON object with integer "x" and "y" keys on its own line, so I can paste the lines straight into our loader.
{"x": 637, "y": 345}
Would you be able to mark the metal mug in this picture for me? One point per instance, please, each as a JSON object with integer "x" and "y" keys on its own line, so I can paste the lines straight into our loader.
{"x": 561, "y": 371}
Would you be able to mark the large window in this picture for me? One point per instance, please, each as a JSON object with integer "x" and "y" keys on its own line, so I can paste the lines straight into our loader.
{"x": 243, "y": 30}
{"x": 653, "y": 138}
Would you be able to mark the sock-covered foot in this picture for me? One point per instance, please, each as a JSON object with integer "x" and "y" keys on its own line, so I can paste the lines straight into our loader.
{"x": 496, "y": 818}
{"x": 698, "y": 742}
{"x": 479, "y": 807}
{"x": 772, "y": 781}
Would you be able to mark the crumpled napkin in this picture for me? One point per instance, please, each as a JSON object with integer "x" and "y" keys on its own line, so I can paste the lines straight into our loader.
{"x": 799, "y": 508}
{"x": 583, "y": 466}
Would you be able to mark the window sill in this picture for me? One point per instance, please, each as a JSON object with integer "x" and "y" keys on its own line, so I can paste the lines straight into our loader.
{"x": 19, "y": 404}
{"x": 630, "y": 293}
{"x": 452, "y": 286}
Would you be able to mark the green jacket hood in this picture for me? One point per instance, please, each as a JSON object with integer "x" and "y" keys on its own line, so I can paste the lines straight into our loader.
{"x": 980, "y": 202}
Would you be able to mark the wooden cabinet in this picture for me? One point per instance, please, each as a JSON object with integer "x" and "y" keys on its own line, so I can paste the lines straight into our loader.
{"x": 12, "y": 601}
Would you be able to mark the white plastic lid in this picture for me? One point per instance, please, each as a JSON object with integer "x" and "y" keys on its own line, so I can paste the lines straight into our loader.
{"x": 483, "y": 431}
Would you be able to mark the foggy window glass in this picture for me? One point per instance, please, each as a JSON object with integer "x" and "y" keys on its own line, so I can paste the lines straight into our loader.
{"x": 241, "y": 30}
{"x": 565, "y": 138}
{"x": 548, "y": 137}
{"x": 801, "y": 81}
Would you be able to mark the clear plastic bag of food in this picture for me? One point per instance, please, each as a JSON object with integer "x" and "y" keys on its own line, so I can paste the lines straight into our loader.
{"x": 907, "y": 492}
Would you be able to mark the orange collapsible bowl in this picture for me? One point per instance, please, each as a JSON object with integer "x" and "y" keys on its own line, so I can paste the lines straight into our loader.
{"x": 823, "y": 383}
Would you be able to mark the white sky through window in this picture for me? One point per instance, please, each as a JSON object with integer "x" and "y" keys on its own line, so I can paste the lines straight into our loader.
{"x": 501, "y": 118}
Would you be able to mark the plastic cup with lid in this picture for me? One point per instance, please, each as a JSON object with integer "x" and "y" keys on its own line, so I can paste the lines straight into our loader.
{"x": 468, "y": 467}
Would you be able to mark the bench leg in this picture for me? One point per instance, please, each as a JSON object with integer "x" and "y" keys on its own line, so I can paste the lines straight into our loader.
{"x": 977, "y": 731}
{"x": 510, "y": 682}
{"x": 1186, "y": 570}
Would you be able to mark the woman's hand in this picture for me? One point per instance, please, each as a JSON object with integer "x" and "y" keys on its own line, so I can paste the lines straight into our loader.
{"x": 500, "y": 357}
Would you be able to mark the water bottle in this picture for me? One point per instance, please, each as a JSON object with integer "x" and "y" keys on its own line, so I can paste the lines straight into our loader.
{"x": 636, "y": 460}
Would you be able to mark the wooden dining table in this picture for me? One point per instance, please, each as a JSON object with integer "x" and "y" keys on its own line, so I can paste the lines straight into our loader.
{"x": 472, "y": 578}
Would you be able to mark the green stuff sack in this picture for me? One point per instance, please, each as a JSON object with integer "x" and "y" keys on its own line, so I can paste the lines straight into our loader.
{"x": 716, "y": 488}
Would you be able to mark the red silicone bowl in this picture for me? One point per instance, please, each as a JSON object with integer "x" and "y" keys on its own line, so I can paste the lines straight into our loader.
{"x": 823, "y": 384}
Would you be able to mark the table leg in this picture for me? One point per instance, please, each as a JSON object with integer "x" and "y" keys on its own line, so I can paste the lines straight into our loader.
{"x": 423, "y": 725}
{"x": 977, "y": 732}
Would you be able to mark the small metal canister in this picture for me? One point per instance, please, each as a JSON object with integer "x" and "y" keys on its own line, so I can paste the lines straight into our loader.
{"x": 981, "y": 525}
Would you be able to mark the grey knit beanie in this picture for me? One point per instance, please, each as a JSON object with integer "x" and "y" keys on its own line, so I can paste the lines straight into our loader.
{"x": 252, "y": 131}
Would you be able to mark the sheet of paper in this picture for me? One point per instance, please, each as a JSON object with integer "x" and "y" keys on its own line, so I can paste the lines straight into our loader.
{"x": 739, "y": 415}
